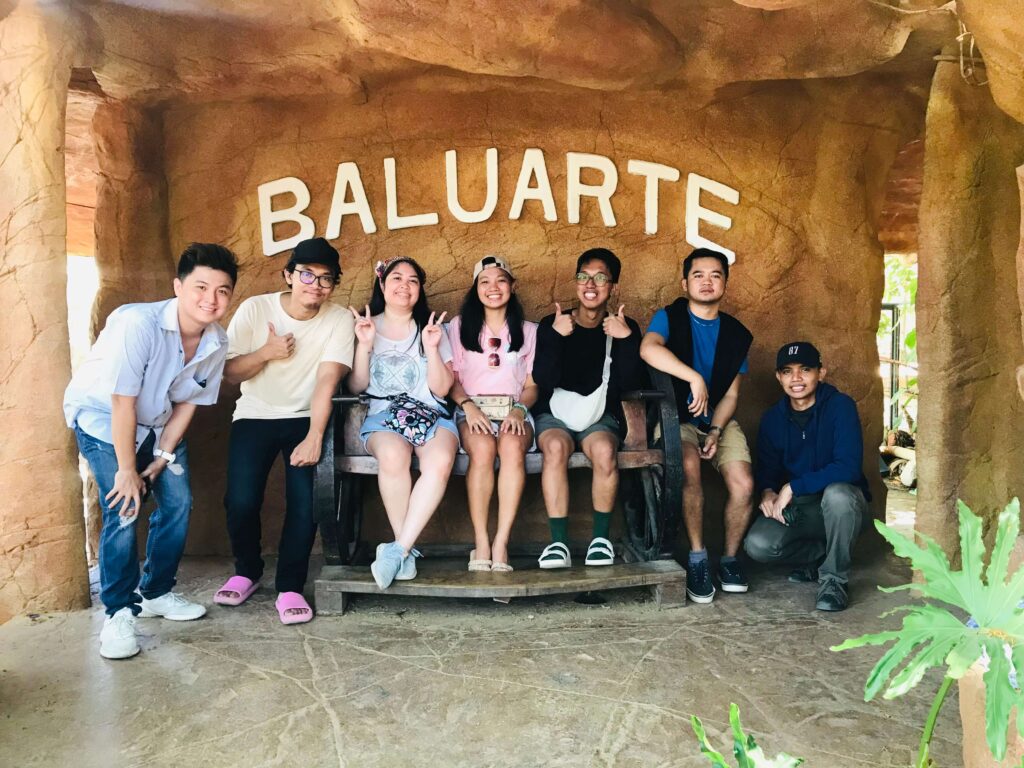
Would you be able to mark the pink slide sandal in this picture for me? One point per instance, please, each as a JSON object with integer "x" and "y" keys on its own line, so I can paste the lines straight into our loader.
{"x": 240, "y": 586}
{"x": 293, "y": 601}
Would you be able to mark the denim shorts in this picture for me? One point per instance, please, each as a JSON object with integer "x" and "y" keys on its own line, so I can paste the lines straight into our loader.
{"x": 374, "y": 422}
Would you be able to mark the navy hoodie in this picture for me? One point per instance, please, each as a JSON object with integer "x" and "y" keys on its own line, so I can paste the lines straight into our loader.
{"x": 830, "y": 449}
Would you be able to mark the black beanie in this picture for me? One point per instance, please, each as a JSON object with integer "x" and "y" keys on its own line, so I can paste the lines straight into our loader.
{"x": 315, "y": 251}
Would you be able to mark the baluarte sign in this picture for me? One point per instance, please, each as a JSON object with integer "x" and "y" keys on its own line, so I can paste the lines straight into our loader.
{"x": 350, "y": 199}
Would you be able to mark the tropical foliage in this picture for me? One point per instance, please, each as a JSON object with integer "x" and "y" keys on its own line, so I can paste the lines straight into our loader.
{"x": 932, "y": 635}
{"x": 748, "y": 754}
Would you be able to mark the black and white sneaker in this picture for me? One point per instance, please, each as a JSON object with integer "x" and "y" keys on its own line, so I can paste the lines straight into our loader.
{"x": 699, "y": 586}
{"x": 732, "y": 577}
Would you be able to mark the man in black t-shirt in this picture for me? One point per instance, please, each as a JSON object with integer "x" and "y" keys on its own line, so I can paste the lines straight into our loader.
{"x": 580, "y": 402}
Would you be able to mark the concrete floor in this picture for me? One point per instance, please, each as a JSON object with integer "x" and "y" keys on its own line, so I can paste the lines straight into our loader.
{"x": 408, "y": 681}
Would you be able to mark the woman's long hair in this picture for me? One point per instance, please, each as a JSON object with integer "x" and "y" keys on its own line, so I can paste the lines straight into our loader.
{"x": 420, "y": 311}
{"x": 472, "y": 321}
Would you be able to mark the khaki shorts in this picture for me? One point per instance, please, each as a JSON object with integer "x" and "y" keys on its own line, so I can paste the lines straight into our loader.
{"x": 732, "y": 444}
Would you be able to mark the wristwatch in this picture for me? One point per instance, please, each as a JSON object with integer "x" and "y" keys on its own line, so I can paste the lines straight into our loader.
{"x": 715, "y": 428}
{"x": 165, "y": 455}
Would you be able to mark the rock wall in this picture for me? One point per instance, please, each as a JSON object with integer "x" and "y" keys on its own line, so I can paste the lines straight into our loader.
{"x": 42, "y": 564}
{"x": 809, "y": 166}
{"x": 969, "y": 308}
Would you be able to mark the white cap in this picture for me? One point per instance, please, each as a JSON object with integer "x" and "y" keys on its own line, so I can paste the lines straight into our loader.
{"x": 492, "y": 261}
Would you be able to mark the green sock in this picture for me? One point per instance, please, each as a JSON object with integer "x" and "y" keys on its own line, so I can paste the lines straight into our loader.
{"x": 559, "y": 529}
{"x": 602, "y": 524}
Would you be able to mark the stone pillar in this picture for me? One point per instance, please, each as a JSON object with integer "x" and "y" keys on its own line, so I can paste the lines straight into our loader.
{"x": 132, "y": 250}
{"x": 1020, "y": 275}
{"x": 42, "y": 550}
{"x": 968, "y": 308}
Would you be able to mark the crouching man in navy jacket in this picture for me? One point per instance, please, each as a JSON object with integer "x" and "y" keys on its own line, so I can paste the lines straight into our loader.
{"x": 813, "y": 491}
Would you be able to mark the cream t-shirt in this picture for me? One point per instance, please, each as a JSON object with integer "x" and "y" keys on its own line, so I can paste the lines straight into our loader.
{"x": 284, "y": 388}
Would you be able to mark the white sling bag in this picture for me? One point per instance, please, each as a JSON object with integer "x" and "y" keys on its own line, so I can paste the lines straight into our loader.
{"x": 576, "y": 411}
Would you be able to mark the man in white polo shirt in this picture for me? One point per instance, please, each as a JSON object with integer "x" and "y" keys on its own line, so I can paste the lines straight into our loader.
{"x": 130, "y": 403}
{"x": 289, "y": 350}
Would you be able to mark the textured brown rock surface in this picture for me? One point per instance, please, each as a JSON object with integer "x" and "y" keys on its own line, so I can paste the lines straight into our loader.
{"x": 80, "y": 171}
{"x": 997, "y": 27}
{"x": 42, "y": 565}
{"x": 809, "y": 168}
{"x": 132, "y": 253}
{"x": 969, "y": 308}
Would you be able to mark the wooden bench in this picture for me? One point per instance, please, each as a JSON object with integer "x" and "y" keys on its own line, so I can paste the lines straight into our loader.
{"x": 650, "y": 494}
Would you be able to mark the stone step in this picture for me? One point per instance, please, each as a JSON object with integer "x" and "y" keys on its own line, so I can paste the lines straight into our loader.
{"x": 447, "y": 578}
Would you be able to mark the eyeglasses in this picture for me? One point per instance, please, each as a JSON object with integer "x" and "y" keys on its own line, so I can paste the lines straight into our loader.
{"x": 324, "y": 281}
{"x": 493, "y": 358}
{"x": 582, "y": 278}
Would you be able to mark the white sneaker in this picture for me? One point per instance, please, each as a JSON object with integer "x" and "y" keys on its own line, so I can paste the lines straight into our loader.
{"x": 171, "y": 606}
{"x": 117, "y": 639}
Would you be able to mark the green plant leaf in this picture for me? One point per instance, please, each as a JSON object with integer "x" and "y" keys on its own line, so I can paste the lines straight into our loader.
{"x": 1000, "y": 698}
{"x": 716, "y": 758}
{"x": 745, "y": 748}
{"x": 933, "y": 636}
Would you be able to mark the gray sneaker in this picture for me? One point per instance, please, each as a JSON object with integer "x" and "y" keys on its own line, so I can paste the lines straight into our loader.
{"x": 408, "y": 570}
{"x": 831, "y": 596}
{"x": 390, "y": 558}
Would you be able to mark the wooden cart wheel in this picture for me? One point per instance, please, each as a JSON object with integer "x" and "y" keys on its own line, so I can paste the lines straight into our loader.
{"x": 349, "y": 493}
{"x": 642, "y": 505}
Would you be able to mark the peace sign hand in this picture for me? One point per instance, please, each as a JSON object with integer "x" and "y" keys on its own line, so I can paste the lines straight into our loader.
{"x": 432, "y": 332}
{"x": 616, "y": 325}
{"x": 366, "y": 330}
{"x": 563, "y": 323}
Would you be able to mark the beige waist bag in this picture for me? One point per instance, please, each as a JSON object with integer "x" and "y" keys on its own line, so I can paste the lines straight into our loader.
{"x": 495, "y": 407}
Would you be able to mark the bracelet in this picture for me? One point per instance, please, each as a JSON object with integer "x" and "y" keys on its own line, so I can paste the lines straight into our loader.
{"x": 462, "y": 403}
{"x": 525, "y": 410}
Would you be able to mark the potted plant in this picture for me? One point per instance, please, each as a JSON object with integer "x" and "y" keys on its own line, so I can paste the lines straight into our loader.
{"x": 934, "y": 636}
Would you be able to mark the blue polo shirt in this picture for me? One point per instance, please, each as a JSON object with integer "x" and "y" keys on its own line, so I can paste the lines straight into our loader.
{"x": 139, "y": 354}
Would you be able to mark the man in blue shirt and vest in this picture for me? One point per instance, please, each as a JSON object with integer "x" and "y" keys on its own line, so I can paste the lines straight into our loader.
{"x": 705, "y": 351}
{"x": 130, "y": 403}
{"x": 814, "y": 495}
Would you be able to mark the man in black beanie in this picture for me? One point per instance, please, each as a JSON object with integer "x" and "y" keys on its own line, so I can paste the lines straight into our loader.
{"x": 289, "y": 350}
{"x": 814, "y": 496}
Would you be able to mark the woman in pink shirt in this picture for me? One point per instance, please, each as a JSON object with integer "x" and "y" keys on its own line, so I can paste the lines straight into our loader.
{"x": 492, "y": 354}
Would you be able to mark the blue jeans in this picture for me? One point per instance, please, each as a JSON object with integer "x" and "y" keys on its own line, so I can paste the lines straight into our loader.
{"x": 168, "y": 524}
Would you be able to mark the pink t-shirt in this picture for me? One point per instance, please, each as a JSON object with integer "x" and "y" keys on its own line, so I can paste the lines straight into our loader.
{"x": 497, "y": 370}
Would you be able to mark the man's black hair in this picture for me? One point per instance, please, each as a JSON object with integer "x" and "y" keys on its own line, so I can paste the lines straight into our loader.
{"x": 705, "y": 253}
{"x": 208, "y": 255}
{"x": 604, "y": 255}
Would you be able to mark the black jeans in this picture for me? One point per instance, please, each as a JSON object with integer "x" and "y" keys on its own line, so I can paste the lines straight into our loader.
{"x": 253, "y": 446}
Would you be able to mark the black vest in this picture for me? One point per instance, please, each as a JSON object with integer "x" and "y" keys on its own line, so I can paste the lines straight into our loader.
{"x": 731, "y": 350}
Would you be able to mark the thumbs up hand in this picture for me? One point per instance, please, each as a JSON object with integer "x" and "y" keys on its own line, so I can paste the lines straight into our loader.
{"x": 616, "y": 325}
{"x": 278, "y": 347}
{"x": 563, "y": 322}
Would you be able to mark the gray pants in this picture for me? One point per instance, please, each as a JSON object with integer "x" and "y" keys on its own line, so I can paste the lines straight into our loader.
{"x": 824, "y": 528}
